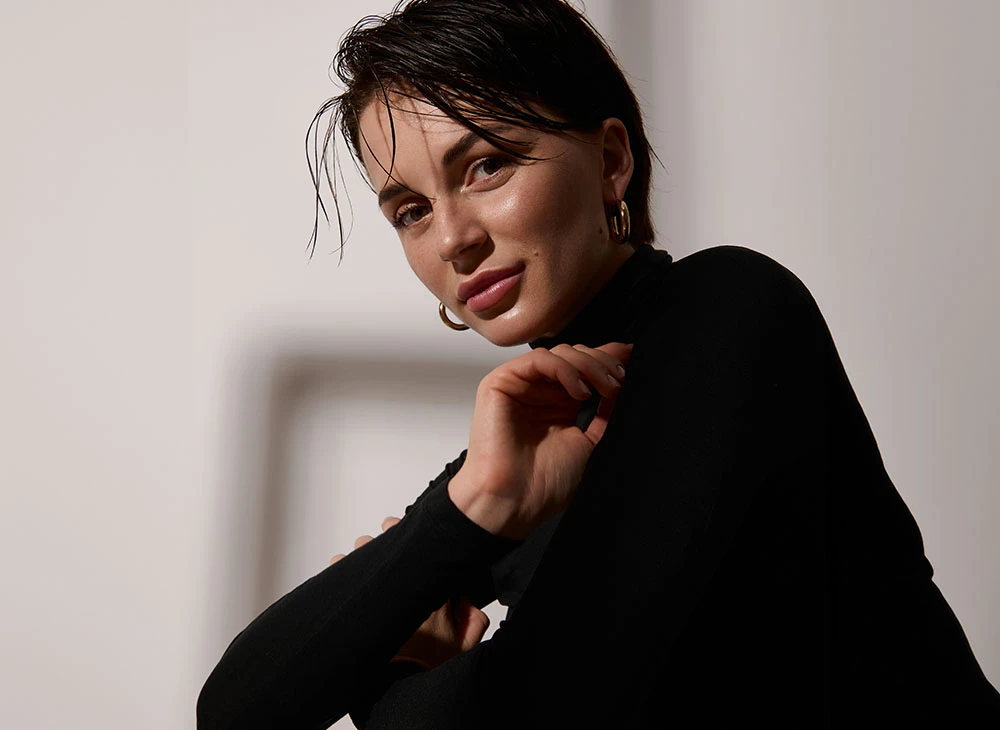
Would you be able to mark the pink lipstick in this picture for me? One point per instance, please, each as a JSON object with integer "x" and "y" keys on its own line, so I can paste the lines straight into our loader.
{"x": 489, "y": 288}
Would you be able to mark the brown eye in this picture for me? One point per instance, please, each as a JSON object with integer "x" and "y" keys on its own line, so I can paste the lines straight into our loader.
{"x": 409, "y": 215}
{"x": 488, "y": 167}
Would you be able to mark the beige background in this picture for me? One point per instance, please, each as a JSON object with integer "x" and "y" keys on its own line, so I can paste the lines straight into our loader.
{"x": 193, "y": 415}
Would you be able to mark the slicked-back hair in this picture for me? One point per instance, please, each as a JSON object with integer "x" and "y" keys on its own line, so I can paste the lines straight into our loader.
{"x": 532, "y": 63}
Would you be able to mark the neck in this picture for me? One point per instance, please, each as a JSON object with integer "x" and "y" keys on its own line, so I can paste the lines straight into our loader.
{"x": 616, "y": 257}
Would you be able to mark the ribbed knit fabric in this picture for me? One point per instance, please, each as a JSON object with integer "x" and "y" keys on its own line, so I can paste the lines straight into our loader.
{"x": 736, "y": 555}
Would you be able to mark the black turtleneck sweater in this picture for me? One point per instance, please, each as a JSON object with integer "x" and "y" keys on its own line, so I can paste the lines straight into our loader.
{"x": 735, "y": 554}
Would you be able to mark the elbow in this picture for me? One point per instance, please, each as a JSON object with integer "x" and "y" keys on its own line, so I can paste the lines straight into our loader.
{"x": 218, "y": 708}
{"x": 207, "y": 710}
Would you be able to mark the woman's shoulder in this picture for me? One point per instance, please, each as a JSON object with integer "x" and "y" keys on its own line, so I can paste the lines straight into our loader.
{"x": 730, "y": 292}
{"x": 730, "y": 264}
{"x": 721, "y": 278}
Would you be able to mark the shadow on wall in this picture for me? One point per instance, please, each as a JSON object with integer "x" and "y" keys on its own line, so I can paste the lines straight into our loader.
{"x": 325, "y": 446}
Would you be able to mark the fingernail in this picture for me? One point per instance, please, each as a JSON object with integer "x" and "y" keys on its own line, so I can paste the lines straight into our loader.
{"x": 583, "y": 385}
{"x": 613, "y": 380}
{"x": 621, "y": 371}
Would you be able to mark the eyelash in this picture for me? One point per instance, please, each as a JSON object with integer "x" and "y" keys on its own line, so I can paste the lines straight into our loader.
{"x": 398, "y": 223}
{"x": 492, "y": 158}
{"x": 398, "y": 220}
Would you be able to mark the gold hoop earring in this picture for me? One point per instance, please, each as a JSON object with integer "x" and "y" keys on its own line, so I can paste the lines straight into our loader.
{"x": 620, "y": 223}
{"x": 443, "y": 313}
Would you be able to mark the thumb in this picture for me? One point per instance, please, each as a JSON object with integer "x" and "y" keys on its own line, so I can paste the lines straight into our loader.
{"x": 470, "y": 623}
{"x": 599, "y": 423}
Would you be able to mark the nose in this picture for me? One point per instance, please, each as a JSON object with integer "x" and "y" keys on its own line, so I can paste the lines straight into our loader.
{"x": 459, "y": 230}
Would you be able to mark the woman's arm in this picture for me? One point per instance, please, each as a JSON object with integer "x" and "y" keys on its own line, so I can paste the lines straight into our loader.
{"x": 697, "y": 436}
{"x": 319, "y": 650}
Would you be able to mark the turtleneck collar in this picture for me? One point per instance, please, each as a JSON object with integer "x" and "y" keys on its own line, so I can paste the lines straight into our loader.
{"x": 611, "y": 314}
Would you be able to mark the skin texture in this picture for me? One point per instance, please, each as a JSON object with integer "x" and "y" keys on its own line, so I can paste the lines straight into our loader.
{"x": 462, "y": 207}
{"x": 484, "y": 210}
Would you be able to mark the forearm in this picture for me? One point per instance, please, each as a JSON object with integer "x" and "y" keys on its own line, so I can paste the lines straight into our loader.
{"x": 315, "y": 652}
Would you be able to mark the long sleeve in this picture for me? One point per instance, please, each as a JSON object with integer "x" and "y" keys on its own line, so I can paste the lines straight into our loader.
{"x": 315, "y": 653}
{"x": 735, "y": 551}
{"x": 693, "y": 444}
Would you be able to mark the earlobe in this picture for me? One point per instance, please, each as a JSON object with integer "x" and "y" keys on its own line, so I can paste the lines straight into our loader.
{"x": 617, "y": 163}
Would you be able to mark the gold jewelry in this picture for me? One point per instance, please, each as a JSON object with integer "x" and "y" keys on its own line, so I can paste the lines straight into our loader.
{"x": 443, "y": 313}
{"x": 620, "y": 223}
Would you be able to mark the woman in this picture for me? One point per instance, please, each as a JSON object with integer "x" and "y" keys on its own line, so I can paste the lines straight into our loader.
{"x": 675, "y": 492}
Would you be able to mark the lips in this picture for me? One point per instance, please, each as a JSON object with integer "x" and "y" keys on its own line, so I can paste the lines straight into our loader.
{"x": 481, "y": 282}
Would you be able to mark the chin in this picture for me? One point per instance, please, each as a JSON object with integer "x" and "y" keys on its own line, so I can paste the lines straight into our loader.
{"x": 510, "y": 331}
{"x": 504, "y": 337}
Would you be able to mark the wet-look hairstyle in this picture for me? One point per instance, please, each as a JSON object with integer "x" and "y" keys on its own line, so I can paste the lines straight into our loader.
{"x": 531, "y": 63}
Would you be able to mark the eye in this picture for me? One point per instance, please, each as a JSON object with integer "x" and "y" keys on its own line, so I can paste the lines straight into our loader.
{"x": 410, "y": 214}
{"x": 488, "y": 167}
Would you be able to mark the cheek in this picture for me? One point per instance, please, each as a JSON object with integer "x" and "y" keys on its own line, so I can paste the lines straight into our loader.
{"x": 560, "y": 219}
{"x": 426, "y": 267}
{"x": 554, "y": 215}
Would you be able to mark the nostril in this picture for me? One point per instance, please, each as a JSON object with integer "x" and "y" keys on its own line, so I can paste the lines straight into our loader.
{"x": 458, "y": 244}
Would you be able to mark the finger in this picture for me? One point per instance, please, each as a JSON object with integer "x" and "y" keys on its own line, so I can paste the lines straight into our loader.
{"x": 364, "y": 539}
{"x": 571, "y": 372}
{"x": 613, "y": 363}
{"x": 478, "y": 624}
{"x": 335, "y": 558}
{"x": 603, "y": 376}
{"x": 389, "y": 522}
{"x": 522, "y": 374}
{"x": 599, "y": 424}
{"x": 470, "y": 623}
{"x": 618, "y": 349}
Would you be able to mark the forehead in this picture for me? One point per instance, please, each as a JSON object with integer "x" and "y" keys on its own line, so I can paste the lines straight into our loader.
{"x": 421, "y": 132}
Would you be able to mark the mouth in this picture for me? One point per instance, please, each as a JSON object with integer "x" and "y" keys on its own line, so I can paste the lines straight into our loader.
{"x": 488, "y": 288}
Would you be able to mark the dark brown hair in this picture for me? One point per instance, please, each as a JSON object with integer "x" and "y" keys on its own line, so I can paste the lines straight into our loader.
{"x": 533, "y": 63}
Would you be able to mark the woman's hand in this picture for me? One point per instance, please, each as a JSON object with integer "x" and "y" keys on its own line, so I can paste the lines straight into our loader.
{"x": 526, "y": 456}
{"x": 454, "y": 628}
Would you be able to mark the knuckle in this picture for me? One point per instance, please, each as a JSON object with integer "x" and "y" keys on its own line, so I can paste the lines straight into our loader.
{"x": 539, "y": 356}
{"x": 488, "y": 384}
{"x": 573, "y": 372}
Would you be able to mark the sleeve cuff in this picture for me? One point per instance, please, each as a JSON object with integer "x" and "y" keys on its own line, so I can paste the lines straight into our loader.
{"x": 460, "y": 531}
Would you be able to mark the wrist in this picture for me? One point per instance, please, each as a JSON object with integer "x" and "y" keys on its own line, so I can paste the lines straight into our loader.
{"x": 498, "y": 515}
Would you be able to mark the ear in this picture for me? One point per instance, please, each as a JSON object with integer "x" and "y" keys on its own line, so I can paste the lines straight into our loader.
{"x": 617, "y": 162}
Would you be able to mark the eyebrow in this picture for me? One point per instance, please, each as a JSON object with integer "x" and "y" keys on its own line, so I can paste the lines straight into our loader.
{"x": 389, "y": 192}
{"x": 448, "y": 158}
{"x": 459, "y": 148}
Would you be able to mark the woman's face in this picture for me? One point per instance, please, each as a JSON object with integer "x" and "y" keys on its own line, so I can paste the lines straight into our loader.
{"x": 514, "y": 248}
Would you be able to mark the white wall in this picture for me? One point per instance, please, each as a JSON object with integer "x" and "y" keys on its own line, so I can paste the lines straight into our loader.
{"x": 856, "y": 143}
{"x": 102, "y": 494}
{"x": 170, "y": 355}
